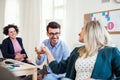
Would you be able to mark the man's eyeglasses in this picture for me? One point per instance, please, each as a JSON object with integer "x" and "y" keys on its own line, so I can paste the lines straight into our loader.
{"x": 54, "y": 34}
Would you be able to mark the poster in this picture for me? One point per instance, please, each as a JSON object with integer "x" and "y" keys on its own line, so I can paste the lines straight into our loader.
{"x": 108, "y": 19}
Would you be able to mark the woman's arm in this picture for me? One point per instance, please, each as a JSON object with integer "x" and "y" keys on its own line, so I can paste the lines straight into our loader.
{"x": 116, "y": 62}
{"x": 56, "y": 67}
{"x": 7, "y": 49}
{"x": 49, "y": 55}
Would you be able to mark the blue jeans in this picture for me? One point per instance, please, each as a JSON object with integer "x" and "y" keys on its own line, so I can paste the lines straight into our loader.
{"x": 51, "y": 77}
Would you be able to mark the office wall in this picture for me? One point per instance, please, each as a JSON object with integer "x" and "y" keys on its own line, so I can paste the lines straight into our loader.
{"x": 2, "y": 3}
{"x": 75, "y": 17}
{"x": 75, "y": 11}
{"x": 30, "y": 25}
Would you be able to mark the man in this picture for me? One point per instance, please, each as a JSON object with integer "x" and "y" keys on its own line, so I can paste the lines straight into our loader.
{"x": 58, "y": 48}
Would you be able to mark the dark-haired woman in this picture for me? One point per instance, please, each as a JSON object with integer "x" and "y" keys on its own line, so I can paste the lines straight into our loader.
{"x": 12, "y": 46}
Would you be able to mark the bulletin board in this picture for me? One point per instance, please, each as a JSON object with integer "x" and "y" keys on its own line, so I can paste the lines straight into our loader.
{"x": 109, "y": 19}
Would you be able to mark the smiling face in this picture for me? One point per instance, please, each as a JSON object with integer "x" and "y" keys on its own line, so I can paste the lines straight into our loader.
{"x": 81, "y": 35}
{"x": 53, "y": 34}
{"x": 12, "y": 33}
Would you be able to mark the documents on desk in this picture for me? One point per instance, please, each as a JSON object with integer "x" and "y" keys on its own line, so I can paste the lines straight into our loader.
{"x": 20, "y": 68}
{"x": 11, "y": 64}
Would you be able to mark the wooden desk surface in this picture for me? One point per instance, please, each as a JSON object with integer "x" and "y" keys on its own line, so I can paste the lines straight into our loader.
{"x": 23, "y": 69}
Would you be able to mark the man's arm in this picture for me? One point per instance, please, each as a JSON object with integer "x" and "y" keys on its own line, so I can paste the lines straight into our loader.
{"x": 40, "y": 56}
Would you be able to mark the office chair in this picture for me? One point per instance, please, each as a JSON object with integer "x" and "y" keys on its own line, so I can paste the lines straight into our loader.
{"x": 1, "y": 52}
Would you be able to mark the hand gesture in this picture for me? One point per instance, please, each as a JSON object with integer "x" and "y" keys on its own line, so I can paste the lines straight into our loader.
{"x": 39, "y": 52}
{"x": 20, "y": 56}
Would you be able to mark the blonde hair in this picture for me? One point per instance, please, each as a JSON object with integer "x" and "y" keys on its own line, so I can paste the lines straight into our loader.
{"x": 95, "y": 37}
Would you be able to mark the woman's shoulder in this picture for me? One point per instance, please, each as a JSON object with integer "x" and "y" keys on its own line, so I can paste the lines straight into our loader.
{"x": 75, "y": 50}
{"x": 110, "y": 50}
{"x": 18, "y": 38}
{"x": 6, "y": 39}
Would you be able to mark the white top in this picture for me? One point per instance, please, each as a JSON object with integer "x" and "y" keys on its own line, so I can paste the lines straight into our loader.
{"x": 84, "y": 67}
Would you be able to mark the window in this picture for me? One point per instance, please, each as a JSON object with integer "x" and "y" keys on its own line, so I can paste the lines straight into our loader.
{"x": 12, "y": 12}
{"x": 52, "y": 10}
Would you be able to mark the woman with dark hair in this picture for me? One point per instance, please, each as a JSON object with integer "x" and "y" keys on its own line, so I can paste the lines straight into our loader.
{"x": 12, "y": 46}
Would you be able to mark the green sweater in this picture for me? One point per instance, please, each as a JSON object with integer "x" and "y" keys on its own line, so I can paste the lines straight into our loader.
{"x": 106, "y": 66}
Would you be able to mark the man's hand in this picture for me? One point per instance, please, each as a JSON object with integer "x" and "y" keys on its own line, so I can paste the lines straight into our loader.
{"x": 39, "y": 53}
{"x": 20, "y": 56}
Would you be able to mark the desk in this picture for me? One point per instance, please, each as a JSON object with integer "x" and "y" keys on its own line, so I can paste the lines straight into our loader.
{"x": 23, "y": 69}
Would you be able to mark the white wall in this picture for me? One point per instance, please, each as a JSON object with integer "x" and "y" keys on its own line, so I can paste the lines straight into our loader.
{"x": 30, "y": 23}
{"x": 2, "y": 3}
{"x": 75, "y": 17}
{"x": 76, "y": 9}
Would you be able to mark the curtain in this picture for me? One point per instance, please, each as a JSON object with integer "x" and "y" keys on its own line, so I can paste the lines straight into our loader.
{"x": 30, "y": 24}
{"x": 2, "y": 6}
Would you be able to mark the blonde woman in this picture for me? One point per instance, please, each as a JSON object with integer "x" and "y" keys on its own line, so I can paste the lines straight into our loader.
{"x": 95, "y": 60}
